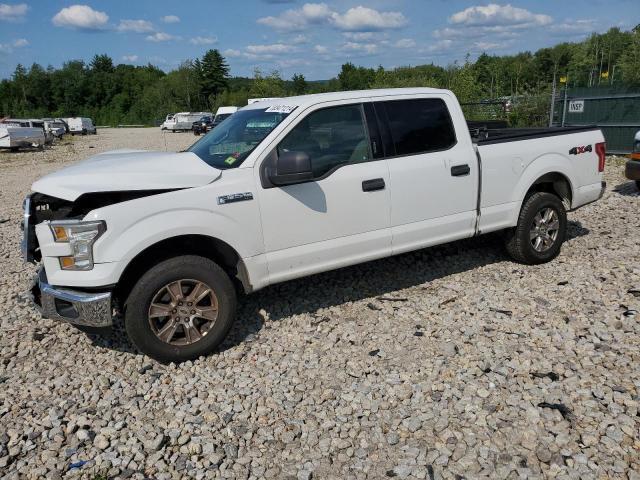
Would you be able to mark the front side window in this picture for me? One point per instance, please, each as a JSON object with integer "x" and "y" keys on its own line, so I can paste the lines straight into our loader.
{"x": 420, "y": 126}
{"x": 230, "y": 143}
{"x": 331, "y": 137}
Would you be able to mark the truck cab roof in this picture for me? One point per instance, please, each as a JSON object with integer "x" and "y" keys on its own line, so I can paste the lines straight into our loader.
{"x": 316, "y": 98}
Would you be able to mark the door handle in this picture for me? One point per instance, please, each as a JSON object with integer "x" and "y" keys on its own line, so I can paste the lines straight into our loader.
{"x": 460, "y": 170}
{"x": 373, "y": 185}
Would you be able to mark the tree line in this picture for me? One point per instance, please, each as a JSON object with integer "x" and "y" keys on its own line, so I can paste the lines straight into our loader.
{"x": 126, "y": 94}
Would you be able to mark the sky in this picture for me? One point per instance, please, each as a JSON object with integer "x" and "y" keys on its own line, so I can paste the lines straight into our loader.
{"x": 295, "y": 36}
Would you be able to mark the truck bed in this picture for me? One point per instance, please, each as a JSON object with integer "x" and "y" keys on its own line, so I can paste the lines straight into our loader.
{"x": 485, "y": 133}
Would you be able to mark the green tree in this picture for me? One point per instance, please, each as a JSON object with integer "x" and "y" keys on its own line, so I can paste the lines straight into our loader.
{"x": 355, "y": 78}
{"x": 270, "y": 85}
{"x": 298, "y": 84}
{"x": 214, "y": 74}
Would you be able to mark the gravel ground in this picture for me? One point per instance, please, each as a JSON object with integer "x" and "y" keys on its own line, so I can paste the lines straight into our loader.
{"x": 449, "y": 362}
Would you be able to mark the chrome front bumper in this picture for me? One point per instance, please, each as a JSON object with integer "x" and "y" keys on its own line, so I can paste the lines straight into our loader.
{"x": 92, "y": 309}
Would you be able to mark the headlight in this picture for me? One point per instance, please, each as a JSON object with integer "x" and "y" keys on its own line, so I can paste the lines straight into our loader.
{"x": 80, "y": 236}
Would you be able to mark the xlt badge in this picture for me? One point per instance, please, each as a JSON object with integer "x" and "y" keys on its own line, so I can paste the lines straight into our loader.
{"x": 235, "y": 197}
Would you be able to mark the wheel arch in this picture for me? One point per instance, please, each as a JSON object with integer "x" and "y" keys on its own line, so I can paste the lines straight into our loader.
{"x": 555, "y": 183}
{"x": 193, "y": 244}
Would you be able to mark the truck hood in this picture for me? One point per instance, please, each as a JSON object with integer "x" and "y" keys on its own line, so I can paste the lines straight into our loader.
{"x": 126, "y": 170}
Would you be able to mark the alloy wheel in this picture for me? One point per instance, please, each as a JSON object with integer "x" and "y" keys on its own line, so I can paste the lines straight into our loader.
{"x": 183, "y": 311}
{"x": 544, "y": 229}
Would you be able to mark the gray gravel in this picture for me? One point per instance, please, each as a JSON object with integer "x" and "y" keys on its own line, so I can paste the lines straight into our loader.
{"x": 445, "y": 363}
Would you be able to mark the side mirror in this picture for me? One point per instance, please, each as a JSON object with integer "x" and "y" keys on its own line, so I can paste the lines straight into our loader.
{"x": 290, "y": 168}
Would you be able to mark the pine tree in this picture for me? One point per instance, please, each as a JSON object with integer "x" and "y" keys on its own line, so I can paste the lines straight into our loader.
{"x": 214, "y": 74}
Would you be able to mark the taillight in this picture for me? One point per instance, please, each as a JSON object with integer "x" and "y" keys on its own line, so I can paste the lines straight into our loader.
{"x": 600, "y": 150}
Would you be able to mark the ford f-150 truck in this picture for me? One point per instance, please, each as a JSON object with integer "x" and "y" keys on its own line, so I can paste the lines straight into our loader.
{"x": 287, "y": 188}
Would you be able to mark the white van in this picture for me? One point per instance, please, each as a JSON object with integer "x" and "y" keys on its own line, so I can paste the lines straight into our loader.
{"x": 223, "y": 113}
{"x": 81, "y": 125}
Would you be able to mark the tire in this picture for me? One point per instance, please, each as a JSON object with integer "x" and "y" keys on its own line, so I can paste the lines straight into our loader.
{"x": 84, "y": 131}
{"x": 189, "y": 270}
{"x": 519, "y": 242}
{"x": 638, "y": 184}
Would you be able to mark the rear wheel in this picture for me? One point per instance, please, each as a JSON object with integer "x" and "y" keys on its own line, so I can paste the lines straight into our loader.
{"x": 180, "y": 309}
{"x": 540, "y": 231}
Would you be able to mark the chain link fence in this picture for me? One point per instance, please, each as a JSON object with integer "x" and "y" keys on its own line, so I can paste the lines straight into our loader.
{"x": 615, "y": 110}
{"x": 517, "y": 111}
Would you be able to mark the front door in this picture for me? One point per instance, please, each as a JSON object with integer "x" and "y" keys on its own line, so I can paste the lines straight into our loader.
{"x": 340, "y": 218}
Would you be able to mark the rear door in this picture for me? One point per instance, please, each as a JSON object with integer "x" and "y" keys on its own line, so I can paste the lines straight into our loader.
{"x": 340, "y": 218}
{"x": 433, "y": 172}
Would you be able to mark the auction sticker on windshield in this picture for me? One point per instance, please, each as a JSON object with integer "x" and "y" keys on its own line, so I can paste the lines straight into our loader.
{"x": 281, "y": 108}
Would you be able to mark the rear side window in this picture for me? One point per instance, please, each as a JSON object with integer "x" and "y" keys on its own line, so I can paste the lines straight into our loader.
{"x": 419, "y": 126}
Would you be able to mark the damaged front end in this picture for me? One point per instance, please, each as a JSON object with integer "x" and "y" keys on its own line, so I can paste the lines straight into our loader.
{"x": 87, "y": 307}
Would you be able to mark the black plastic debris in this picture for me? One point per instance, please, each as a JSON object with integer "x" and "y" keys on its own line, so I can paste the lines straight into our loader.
{"x": 561, "y": 407}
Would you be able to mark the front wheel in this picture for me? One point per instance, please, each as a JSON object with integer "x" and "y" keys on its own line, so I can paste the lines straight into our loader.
{"x": 181, "y": 309}
{"x": 540, "y": 231}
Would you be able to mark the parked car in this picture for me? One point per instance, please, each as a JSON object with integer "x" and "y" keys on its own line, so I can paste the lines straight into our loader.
{"x": 183, "y": 121}
{"x": 285, "y": 189}
{"x": 55, "y": 127}
{"x": 203, "y": 125}
{"x": 14, "y": 136}
{"x": 81, "y": 125}
{"x": 632, "y": 168}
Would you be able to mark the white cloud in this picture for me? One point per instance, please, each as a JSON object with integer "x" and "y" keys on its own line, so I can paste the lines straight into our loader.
{"x": 299, "y": 39}
{"x": 80, "y": 17}
{"x": 575, "y": 27}
{"x": 8, "y": 47}
{"x": 292, "y": 62}
{"x": 276, "y": 48}
{"x": 494, "y": 15}
{"x": 13, "y": 12}
{"x": 130, "y": 58}
{"x": 298, "y": 19}
{"x": 405, "y": 43}
{"x": 321, "y": 49}
{"x": 138, "y": 26}
{"x": 439, "y": 47}
{"x": 361, "y": 36}
{"x": 487, "y": 46}
{"x": 203, "y": 40}
{"x": 170, "y": 19}
{"x": 367, "y": 48}
{"x": 357, "y": 19}
{"x": 231, "y": 53}
{"x": 364, "y": 19}
{"x": 160, "y": 37}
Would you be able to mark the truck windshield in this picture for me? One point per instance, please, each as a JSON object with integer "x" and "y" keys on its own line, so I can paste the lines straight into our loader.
{"x": 231, "y": 142}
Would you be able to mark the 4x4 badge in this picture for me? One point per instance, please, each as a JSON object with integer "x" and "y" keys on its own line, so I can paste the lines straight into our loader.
{"x": 235, "y": 197}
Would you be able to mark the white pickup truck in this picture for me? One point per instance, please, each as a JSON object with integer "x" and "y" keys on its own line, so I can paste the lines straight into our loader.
{"x": 287, "y": 188}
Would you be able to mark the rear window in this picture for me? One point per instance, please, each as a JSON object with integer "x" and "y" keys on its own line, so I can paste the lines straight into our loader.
{"x": 420, "y": 126}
